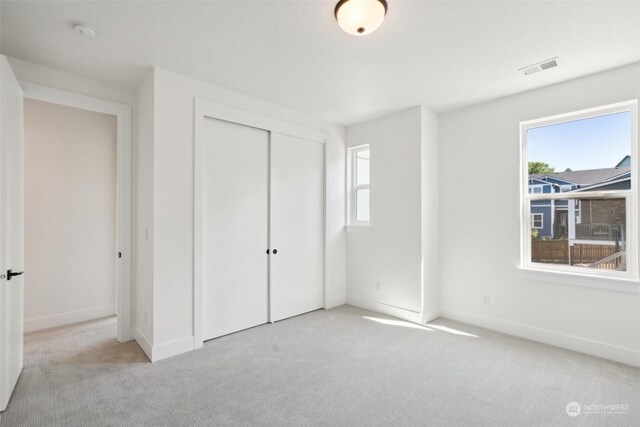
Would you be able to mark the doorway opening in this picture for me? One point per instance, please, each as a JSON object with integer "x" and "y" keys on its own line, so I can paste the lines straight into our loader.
{"x": 70, "y": 215}
{"x": 77, "y": 210}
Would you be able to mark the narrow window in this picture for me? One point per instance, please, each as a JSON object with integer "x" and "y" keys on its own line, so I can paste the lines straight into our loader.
{"x": 359, "y": 193}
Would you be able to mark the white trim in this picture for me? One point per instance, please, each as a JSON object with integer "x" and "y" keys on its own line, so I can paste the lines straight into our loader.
{"x": 533, "y": 220}
{"x": 143, "y": 342}
{"x": 379, "y": 307}
{"x": 539, "y": 180}
{"x": 171, "y": 348}
{"x": 619, "y": 176}
{"x": 581, "y": 272}
{"x": 616, "y": 353}
{"x": 325, "y": 229}
{"x": 204, "y": 109}
{"x": 362, "y": 229}
{"x": 533, "y": 187}
{"x": 631, "y": 196}
{"x": 579, "y": 115}
{"x": 569, "y": 195}
{"x": 55, "y": 320}
{"x": 603, "y": 184}
{"x": 429, "y": 316}
{"x": 124, "y": 185}
{"x": 555, "y": 178}
{"x": 575, "y": 278}
{"x": 199, "y": 115}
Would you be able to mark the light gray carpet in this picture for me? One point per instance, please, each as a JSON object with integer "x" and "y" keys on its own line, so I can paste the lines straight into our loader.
{"x": 335, "y": 367}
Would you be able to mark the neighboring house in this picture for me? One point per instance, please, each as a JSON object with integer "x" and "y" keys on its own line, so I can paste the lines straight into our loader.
{"x": 625, "y": 162}
{"x": 593, "y": 221}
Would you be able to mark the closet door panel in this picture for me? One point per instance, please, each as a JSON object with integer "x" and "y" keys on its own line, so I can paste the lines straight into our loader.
{"x": 235, "y": 208}
{"x": 297, "y": 226}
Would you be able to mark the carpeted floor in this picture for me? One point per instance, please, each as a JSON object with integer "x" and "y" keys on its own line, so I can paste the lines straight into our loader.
{"x": 343, "y": 366}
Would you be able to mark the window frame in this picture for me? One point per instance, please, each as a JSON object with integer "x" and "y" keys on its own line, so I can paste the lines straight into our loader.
{"x": 533, "y": 221}
{"x": 630, "y": 196}
{"x": 533, "y": 187}
{"x": 353, "y": 187}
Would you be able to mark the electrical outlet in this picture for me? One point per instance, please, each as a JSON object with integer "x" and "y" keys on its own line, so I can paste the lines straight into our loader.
{"x": 378, "y": 286}
{"x": 486, "y": 298}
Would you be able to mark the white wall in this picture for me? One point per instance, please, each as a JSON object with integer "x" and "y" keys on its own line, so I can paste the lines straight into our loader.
{"x": 430, "y": 177}
{"x": 46, "y": 76}
{"x": 384, "y": 266}
{"x": 173, "y": 203}
{"x": 70, "y": 214}
{"x": 480, "y": 238}
{"x": 143, "y": 233}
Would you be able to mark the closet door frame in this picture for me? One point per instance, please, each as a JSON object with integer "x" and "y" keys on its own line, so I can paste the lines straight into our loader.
{"x": 205, "y": 109}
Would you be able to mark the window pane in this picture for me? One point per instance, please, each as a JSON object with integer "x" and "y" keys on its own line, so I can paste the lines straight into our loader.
{"x": 588, "y": 233}
{"x": 362, "y": 167}
{"x": 362, "y": 204}
{"x": 585, "y": 154}
{"x": 537, "y": 220}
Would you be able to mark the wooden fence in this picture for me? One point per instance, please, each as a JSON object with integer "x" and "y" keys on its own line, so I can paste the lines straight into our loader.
{"x": 558, "y": 251}
{"x": 550, "y": 251}
{"x": 588, "y": 254}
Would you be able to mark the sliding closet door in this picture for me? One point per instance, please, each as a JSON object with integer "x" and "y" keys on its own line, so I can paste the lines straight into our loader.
{"x": 235, "y": 207}
{"x": 297, "y": 226}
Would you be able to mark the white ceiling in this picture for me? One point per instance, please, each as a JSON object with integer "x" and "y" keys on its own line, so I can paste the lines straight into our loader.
{"x": 442, "y": 54}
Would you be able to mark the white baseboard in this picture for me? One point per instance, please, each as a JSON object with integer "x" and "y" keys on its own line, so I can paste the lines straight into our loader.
{"x": 335, "y": 301}
{"x": 62, "y": 319}
{"x": 143, "y": 342}
{"x": 428, "y": 316}
{"x": 616, "y": 353}
{"x": 400, "y": 313}
{"x": 172, "y": 348}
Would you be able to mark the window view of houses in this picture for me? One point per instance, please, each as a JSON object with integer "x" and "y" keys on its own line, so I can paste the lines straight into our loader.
{"x": 578, "y": 214}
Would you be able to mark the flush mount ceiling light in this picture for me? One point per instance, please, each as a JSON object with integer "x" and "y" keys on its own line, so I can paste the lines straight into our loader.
{"x": 360, "y": 17}
{"x": 86, "y": 31}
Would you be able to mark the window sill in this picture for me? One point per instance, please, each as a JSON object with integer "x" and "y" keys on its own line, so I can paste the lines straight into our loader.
{"x": 363, "y": 229}
{"x": 582, "y": 280}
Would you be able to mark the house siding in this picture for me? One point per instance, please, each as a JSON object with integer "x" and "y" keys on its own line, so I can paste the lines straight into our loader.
{"x": 545, "y": 210}
{"x": 609, "y": 211}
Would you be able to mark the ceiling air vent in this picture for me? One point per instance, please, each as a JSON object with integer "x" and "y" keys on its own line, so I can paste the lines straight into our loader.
{"x": 540, "y": 66}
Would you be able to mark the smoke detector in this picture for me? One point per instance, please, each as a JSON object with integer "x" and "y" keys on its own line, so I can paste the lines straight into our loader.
{"x": 540, "y": 66}
{"x": 86, "y": 31}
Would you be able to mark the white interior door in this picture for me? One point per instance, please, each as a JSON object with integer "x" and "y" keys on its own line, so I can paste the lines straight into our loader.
{"x": 11, "y": 232}
{"x": 235, "y": 206}
{"x": 297, "y": 226}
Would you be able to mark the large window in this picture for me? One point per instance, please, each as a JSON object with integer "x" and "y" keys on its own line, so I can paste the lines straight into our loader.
{"x": 359, "y": 206}
{"x": 580, "y": 192}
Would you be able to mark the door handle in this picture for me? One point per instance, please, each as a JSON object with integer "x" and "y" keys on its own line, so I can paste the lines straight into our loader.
{"x": 10, "y": 274}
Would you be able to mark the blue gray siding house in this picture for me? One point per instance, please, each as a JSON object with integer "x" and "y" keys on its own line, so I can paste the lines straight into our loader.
{"x": 551, "y": 217}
